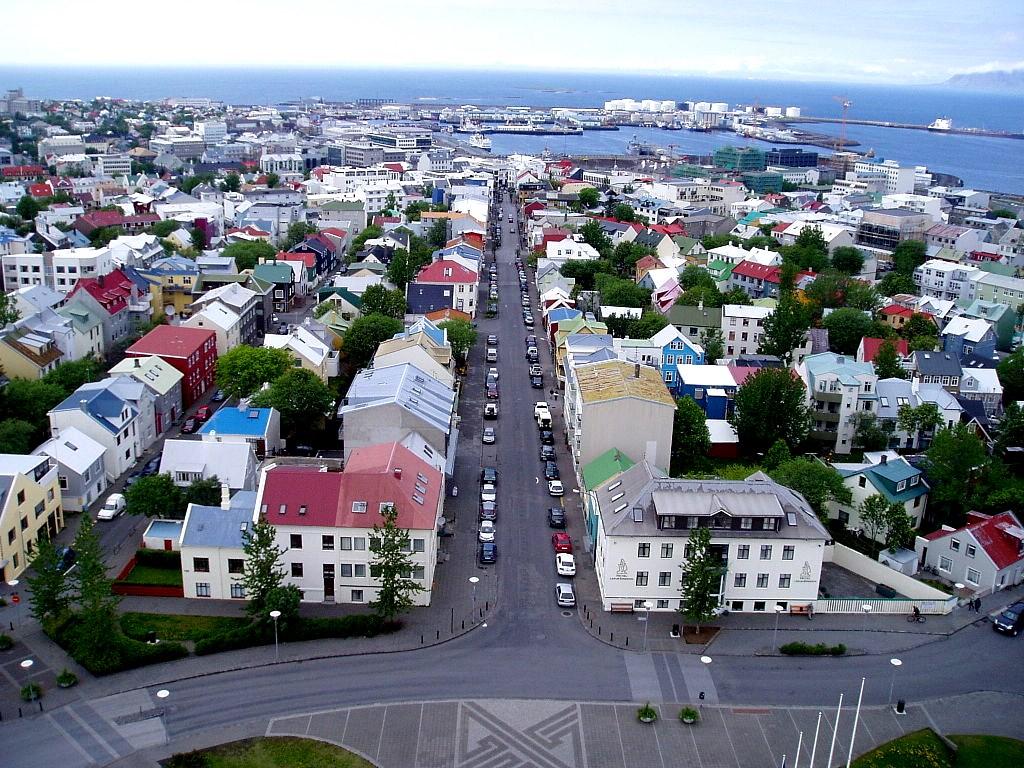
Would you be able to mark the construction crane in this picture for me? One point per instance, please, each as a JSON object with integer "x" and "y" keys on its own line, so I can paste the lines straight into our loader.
{"x": 846, "y": 104}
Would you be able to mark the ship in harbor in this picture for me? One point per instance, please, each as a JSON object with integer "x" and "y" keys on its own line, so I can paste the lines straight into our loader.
{"x": 940, "y": 124}
{"x": 480, "y": 141}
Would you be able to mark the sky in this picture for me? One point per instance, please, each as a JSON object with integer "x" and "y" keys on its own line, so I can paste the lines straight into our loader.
{"x": 882, "y": 41}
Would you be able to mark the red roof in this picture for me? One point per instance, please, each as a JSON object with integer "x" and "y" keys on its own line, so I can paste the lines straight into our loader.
{"x": 308, "y": 259}
{"x": 380, "y": 221}
{"x": 781, "y": 226}
{"x": 633, "y": 224}
{"x": 171, "y": 341}
{"x": 248, "y": 230}
{"x": 984, "y": 256}
{"x": 894, "y": 310}
{"x": 112, "y": 291}
{"x": 672, "y": 230}
{"x": 757, "y": 271}
{"x": 396, "y": 167}
{"x": 446, "y": 271}
{"x": 40, "y": 190}
{"x": 334, "y": 231}
{"x": 100, "y": 219}
{"x": 871, "y": 347}
{"x": 292, "y": 487}
{"x": 999, "y": 535}
{"x": 22, "y": 171}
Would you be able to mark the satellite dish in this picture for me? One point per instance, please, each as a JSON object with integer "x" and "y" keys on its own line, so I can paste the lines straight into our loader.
{"x": 169, "y": 311}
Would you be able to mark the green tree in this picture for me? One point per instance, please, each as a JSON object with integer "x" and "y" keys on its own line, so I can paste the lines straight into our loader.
{"x": 301, "y": 398}
{"x": 369, "y": 233}
{"x": 400, "y": 270}
{"x": 595, "y": 237}
{"x": 702, "y": 579}
{"x": 872, "y": 513}
{"x": 648, "y": 324}
{"x": 461, "y": 336}
{"x": 262, "y": 573}
{"x": 625, "y": 256}
{"x": 242, "y": 370}
{"x": 816, "y": 481}
{"x": 414, "y": 210}
{"x": 848, "y": 259}
{"x": 17, "y": 436}
{"x": 954, "y": 462}
{"x": 886, "y": 522}
{"x": 28, "y": 208}
{"x": 870, "y": 432}
{"x": 846, "y": 327}
{"x": 809, "y": 250}
{"x": 297, "y": 233}
{"x": 365, "y": 334}
{"x": 894, "y": 282}
{"x": 71, "y": 375}
{"x": 918, "y": 421}
{"x": 584, "y": 272}
{"x": 155, "y": 496}
{"x": 232, "y": 182}
{"x": 247, "y": 254}
{"x": 198, "y": 238}
{"x": 8, "y": 310}
{"x": 887, "y": 362}
{"x": 624, "y": 212}
{"x": 322, "y": 309}
{"x": 736, "y": 296}
{"x": 97, "y": 604}
{"x": 899, "y": 532}
{"x": 589, "y": 197}
{"x": 771, "y": 406}
{"x": 714, "y": 345}
{"x": 1011, "y": 375}
{"x": 390, "y": 203}
{"x": 908, "y": 256}
{"x": 272, "y": 180}
{"x": 619, "y": 292}
{"x": 206, "y": 493}
{"x": 48, "y": 586}
{"x": 785, "y": 328}
{"x": 694, "y": 277}
{"x": 691, "y": 440}
{"x": 1003, "y": 213}
{"x": 437, "y": 235}
{"x": 777, "y": 455}
{"x": 104, "y": 236}
{"x": 1009, "y": 432}
{"x": 391, "y": 565}
{"x": 378, "y": 300}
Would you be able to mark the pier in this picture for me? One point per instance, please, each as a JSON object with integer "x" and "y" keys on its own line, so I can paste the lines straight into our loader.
{"x": 907, "y": 126}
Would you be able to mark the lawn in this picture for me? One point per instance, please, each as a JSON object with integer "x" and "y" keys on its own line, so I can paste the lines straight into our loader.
{"x": 275, "y": 752}
{"x": 153, "y": 576}
{"x": 923, "y": 749}
{"x": 177, "y": 627}
{"x": 988, "y": 752}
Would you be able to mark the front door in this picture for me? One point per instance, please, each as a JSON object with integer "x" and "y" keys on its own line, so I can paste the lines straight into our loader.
{"x": 329, "y": 583}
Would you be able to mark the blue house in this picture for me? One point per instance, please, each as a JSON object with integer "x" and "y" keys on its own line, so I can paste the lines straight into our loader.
{"x": 965, "y": 336}
{"x": 260, "y": 427}
{"x": 664, "y": 350}
{"x": 712, "y": 387}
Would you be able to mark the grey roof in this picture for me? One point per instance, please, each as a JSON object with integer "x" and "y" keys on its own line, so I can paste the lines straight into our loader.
{"x": 936, "y": 364}
{"x": 216, "y": 527}
{"x": 891, "y": 394}
{"x": 406, "y": 385}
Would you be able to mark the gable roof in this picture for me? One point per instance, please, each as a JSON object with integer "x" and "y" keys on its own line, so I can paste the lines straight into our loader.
{"x": 871, "y": 346}
{"x": 230, "y": 462}
{"x": 72, "y": 448}
{"x": 174, "y": 341}
{"x": 153, "y": 371}
{"x": 446, "y": 271}
{"x": 999, "y": 535}
{"x": 111, "y": 291}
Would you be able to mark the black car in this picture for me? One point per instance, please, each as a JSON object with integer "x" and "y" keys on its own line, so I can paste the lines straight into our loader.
{"x": 1011, "y": 621}
{"x": 189, "y": 427}
{"x": 488, "y": 553}
{"x": 218, "y": 396}
{"x": 537, "y": 382}
{"x": 533, "y": 357}
{"x": 66, "y": 557}
{"x": 547, "y": 437}
{"x": 551, "y": 471}
{"x": 488, "y": 510}
{"x": 152, "y": 467}
{"x": 556, "y": 517}
{"x": 492, "y": 340}
{"x": 531, "y": 340}
{"x": 547, "y": 453}
{"x": 489, "y": 475}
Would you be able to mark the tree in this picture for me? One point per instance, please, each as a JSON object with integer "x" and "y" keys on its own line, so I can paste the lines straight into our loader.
{"x": 378, "y": 300}
{"x": 272, "y": 180}
{"x": 870, "y": 433}
{"x": 736, "y": 296}
{"x": 809, "y": 250}
{"x": 369, "y": 233}
{"x": 625, "y": 256}
{"x": 714, "y": 345}
{"x": 696, "y": 277}
{"x": 400, "y": 271}
{"x": 71, "y": 375}
{"x": 785, "y": 328}
{"x": 702, "y": 578}
{"x": 918, "y": 421}
{"x": 691, "y": 440}
{"x": 1011, "y": 375}
{"x": 17, "y": 436}
{"x": 648, "y": 324}
{"x": 846, "y": 327}
{"x": 206, "y": 492}
{"x": 777, "y": 455}
{"x": 619, "y": 292}
{"x": 768, "y": 407}
{"x": 848, "y": 259}
{"x": 9, "y": 312}
{"x": 954, "y": 463}
{"x": 623, "y": 212}
{"x": 390, "y": 203}
{"x": 894, "y": 283}
{"x": 104, "y": 236}
{"x": 322, "y": 308}
{"x": 899, "y": 533}
{"x": 301, "y": 398}
{"x": 155, "y": 496}
{"x": 887, "y": 362}
{"x": 584, "y": 272}
{"x": 28, "y": 208}
{"x": 232, "y": 182}
{"x": 242, "y": 370}
{"x": 589, "y": 197}
{"x": 595, "y": 237}
{"x": 437, "y": 235}
{"x": 885, "y": 521}
{"x": 919, "y": 326}
{"x": 49, "y": 586}
{"x": 297, "y": 233}
{"x": 391, "y": 565}
{"x": 247, "y": 254}
{"x": 816, "y": 481}
{"x": 908, "y": 256}
{"x": 365, "y": 334}
{"x": 1009, "y": 432}
{"x": 97, "y": 603}
{"x": 1003, "y": 213}
{"x": 414, "y": 209}
{"x": 198, "y": 238}
{"x": 262, "y": 573}
{"x": 461, "y": 336}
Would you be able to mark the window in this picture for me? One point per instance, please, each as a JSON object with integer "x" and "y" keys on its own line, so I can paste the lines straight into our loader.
{"x": 236, "y": 565}
{"x": 327, "y": 542}
{"x": 762, "y": 581}
{"x": 641, "y": 578}
{"x": 297, "y": 570}
{"x": 739, "y": 580}
{"x": 973, "y": 576}
{"x": 746, "y": 523}
{"x": 945, "y": 564}
{"x": 759, "y": 605}
{"x": 661, "y": 604}
{"x": 901, "y": 485}
{"x": 359, "y": 542}
{"x": 419, "y": 573}
{"x": 295, "y": 541}
{"x": 698, "y": 393}
{"x": 643, "y": 549}
{"x": 862, "y": 481}
{"x": 954, "y": 545}
{"x": 21, "y": 497}
{"x": 787, "y": 552}
{"x": 784, "y": 580}
{"x": 360, "y": 571}
{"x": 357, "y": 595}
{"x": 346, "y": 542}
{"x": 201, "y": 564}
{"x": 202, "y": 589}
{"x": 665, "y": 579}
{"x": 666, "y": 550}
{"x": 971, "y": 550}
{"x": 346, "y": 570}
{"x": 743, "y": 552}
{"x": 418, "y": 545}
{"x": 237, "y": 590}
{"x": 766, "y": 551}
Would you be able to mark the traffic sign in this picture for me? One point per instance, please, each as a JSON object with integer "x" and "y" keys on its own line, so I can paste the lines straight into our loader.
{"x": 15, "y": 599}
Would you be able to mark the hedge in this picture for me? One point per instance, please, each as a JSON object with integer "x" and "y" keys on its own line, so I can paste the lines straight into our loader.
{"x": 233, "y": 640}
{"x": 119, "y": 652}
{"x": 356, "y": 625}
{"x": 158, "y": 558}
{"x": 818, "y": 649}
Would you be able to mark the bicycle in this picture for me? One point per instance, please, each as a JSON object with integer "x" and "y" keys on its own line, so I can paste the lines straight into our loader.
{"x": 918, "y": 618}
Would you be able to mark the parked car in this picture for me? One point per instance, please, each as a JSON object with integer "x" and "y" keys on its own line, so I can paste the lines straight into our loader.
{"x": 152, "y": 467}
{"x": 547, "y": 453}
{"x": 492, "y": 294}
{"x": 189, "y": 426}
{"x": 66, "y": 558}
{"x": 204, "y": 413}
{"x": 547, "y": 437}
{"x": 113, "y": 507}
{"x": 492, "y": 391}
{"x": 551, "y": 471}
{"x": 537, "y": 382}
{"x": 492, "y": 309}
{"x": 532, "y": 355}
{"x": 486, "y": 530}
{"x": 489, "y": 475}
{"x": 492, "y": 373}
{"x": 488, "y": 553}
{"x": 488, "y": 492}
{"x": 528, "y": 319}
{"x": 556, "y": 517}
{"x": 489, "y": 436}
{"x": 491, "y": 411}
{"x": 555, "y": 488}
{"x": 218, "y": 396}
{"x": 492, "y": 340}
{"x": 282, "y": 328}
{"x": 488, "y": 510}
{"x": 1011, "y": 621}
{"x": 531, "y": 340}
{"x": 492, "y": 355}
{"x": 561, "y": 541}
{"x": 536, "y": 370}
{"x": 565, "y": 564}
{"x": 564, "y": 595}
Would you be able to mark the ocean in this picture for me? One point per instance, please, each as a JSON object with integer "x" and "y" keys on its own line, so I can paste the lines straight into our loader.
{"x": 994, "y": 164}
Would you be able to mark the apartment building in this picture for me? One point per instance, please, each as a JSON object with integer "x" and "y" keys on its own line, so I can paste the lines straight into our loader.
{"x": 838, "y": 388}
{"x": 742, "y": 328}
{"x": 30, "y": 507}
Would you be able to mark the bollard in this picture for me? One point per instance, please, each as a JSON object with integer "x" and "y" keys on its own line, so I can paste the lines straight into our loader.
{"x": 40, "y": 705}
{"x": 19, "y": 712}
{"x": 439, "y": 634}
{"x": 611, "y": 637}
{"x": 598, "y": 630}
{"x": 463, "y": 623}
{"x": 421, "y": 638}
{"x": 453, "y": 619}
{"x": 487, "y": 605}
{"x": 591, "y": 622}
{"x": 627, "y": 641}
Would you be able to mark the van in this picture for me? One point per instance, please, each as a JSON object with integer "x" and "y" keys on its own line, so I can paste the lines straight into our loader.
{"x": 492, "y": 355}
{"x": 114, "y": 506}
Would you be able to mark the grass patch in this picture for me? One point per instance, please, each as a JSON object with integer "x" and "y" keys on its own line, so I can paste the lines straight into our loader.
{"x": 724, "y": 470}
{"x": 939, "y": 585}
{"x": 153, "y": 576}
{"x": 988, "y": 752}
{"x": 177, "y": 627}
{"x": 923, "y": 749}
{"x": 272, "y": 752}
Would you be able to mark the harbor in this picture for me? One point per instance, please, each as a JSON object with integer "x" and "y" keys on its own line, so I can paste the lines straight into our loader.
{"x": 940, "y": 125}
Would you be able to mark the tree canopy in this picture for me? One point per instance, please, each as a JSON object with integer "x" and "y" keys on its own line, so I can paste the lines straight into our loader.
{"x": 771, "y": 406}
{"x": 301, "y": 398}
{"x": 378, "y": 300}
{"x": 816, "y": 481}
{"x": 242, "y": 370}
{"x": 846, "y": 327}
{"x": 691, "y": 440}
{"x": 461, "y": 336}
{"x": 365, "y": 334}
{"x": 247, "y": 254}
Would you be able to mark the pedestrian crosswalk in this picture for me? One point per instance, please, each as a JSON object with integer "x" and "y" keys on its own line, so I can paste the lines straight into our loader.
{"x": 670, "y": 677}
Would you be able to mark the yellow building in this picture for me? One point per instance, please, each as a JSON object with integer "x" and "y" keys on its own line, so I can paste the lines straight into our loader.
{"x": 27, "y": 355}
{"x": 29, "y": 508}
{"x": 171, "y": 282}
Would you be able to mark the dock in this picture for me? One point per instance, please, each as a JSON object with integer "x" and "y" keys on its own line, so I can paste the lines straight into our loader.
{"x": 906, "y": 126}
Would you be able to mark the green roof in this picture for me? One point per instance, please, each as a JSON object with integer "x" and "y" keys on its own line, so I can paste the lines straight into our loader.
{"x": 720, "y": 270}
{"x": 995, "y": 268}
{"x": 342, "y": 205}
{"x": 332, "y": 290}
{"x": 605, "y": 467}
{"x": 273, "y": 273}
{"x": 684, "y": 243}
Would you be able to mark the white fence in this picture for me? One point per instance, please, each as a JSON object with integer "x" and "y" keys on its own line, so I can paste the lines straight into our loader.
{"x": 881, "y": 605}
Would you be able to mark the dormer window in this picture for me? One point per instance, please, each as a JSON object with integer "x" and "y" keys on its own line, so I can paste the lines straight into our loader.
{"x": 901, "y": 485}
{"x": 359, "y": 507}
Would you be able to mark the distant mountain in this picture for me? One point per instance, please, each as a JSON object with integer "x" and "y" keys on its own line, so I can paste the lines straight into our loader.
{"x": 1006, "y": 81}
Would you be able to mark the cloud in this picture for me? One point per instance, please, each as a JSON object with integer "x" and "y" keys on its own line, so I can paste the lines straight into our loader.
{"x": 992, "y": 66}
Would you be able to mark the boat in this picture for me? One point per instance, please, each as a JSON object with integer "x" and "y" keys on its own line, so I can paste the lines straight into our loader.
{"x": 480, "y": 141}
{"x": 941, "y": 124}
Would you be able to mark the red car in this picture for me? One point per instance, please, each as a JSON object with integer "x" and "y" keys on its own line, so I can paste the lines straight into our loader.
{"x": 561, "y": 542}
{"x": 203, "y": 413}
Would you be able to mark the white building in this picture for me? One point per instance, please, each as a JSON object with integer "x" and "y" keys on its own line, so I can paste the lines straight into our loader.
{"x": 838, "y": 388}
{"x": 211, "y": 131}
{"x": 80, "y": 474}
{"x": 986, "y": 554}
{"x": 113, "y": 165}
{"x": 883, "y": 473}
{"x": 107, "y": 419}
{"x": 945, "y": 279}
{"x": 562, "y": 251}
{"x": 282, "y": 164}
{"x": 233, "y": 463}
{"x": 742, "y": 328}
{"x": 212, "y": 558}
{"x": 224, "y": 322}
{"x": 898, "y": 179}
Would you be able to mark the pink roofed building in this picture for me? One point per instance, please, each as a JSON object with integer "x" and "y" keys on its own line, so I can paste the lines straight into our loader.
{"x": 986, "y": 554}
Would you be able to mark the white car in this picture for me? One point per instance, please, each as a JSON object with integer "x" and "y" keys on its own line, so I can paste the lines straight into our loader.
{"x": 555, "y": 488}
{"x": 540, "y": 408}
{"x": 492, "y": 372}
{"x": 489, "y": 436}
{"x": 486, "y": 532}
{"x": 488, "y": 492}
{"x": 114, "y": 506}
{"x": 564, "y": 595}
{"x": 565, "y": 564}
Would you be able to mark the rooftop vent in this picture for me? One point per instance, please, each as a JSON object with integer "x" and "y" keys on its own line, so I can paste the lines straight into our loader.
{"x": 398, "y": 472}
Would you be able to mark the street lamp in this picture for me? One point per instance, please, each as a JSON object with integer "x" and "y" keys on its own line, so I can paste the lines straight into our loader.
{"x": 275, "y": 615}
{"x": 17, "y": 603}
{"x": 162, "y": 694}
{"x": 775, "y": 636}
{"x": 867, "y": 609}
{"x": 27, "y": 666}
{"x": 896, "y": 664}
{"x": 474, "y": 580}
{"x": 647, "y": 620}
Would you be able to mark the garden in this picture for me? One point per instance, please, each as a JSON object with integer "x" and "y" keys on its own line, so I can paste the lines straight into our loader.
{"x": 269, "y": 752}
{"x": 924, "y": 749}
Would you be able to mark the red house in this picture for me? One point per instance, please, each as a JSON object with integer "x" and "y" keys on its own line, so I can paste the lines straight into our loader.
{"x": 193, "y": 351}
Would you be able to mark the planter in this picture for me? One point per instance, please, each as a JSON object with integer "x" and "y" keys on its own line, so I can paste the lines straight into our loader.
{"x": 6, "y": 642}
{"x": 67, "y": 679}
{"x": 648, "y": 718}
{"x": 647, "y": 714}
{"x": 688, "y": 716}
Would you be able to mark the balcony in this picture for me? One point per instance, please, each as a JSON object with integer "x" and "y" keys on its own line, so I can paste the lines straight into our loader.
{"x": 827, "y": 397}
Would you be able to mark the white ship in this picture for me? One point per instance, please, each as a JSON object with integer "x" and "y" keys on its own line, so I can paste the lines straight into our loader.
{"x": 480, "y": 141}
{"x": 941, "y": 124}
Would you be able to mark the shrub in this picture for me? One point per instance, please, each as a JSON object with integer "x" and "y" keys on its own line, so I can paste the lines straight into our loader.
{"x": 67, "y": 678}
{"x": 158, "y": 558}
{"x": 6, "y": 642}
{"x": 233, "y": 640}
{"x": 818, "y": 649}
{"x": 689, "y": 714}
{"x": 119, "y": 653}
{"x": 31, "y": 692}
{"x": 647, "y": 713}
{"x": 356, "y": 625}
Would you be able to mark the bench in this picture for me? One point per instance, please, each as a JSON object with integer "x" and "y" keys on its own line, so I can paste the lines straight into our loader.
{"x": 801, "y": 610}
{"x": 622, "y": 608}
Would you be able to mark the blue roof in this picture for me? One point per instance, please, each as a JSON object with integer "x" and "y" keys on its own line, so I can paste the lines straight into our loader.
{"x": 101, "y": 404}
{"x": 216, "y": 527}
{"x": 563, "y": 313}
{"x": 238, "y": 421}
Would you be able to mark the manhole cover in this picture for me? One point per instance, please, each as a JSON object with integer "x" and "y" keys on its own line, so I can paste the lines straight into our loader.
{"x": 567, "y": 613}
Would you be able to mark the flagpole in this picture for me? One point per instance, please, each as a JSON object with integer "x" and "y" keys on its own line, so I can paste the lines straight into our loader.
{"x": 814, "y": 747}
{"x": 856, "y": 719}
{"x": 799, "y": 743}
{"x": 835, "y": 732}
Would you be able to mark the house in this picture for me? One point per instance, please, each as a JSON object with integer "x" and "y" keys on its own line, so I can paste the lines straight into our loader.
{"x": 661, "y": 243}
{"x": 117, "y": 300}
{"x": 282, "y": 278}
{"x": 614, "y": 404}
{"x": 30, "y": 507}
{"x": 743, "y": 328}
{"x": 568, "y": 328}
{"x": 838, "y": 388}
{"x": 164, "y": 382}
{"x": 102, "y": 415}
{"x": 347, "y": 304}
{"x": 87, "y": 324}
{"x": 211, "y": 545}
{"x": 770, "y": 541}
{"x": 25, "y": 354}
{"x": 712, "y": 387}
{"x": 1002, "y": 318}
{"x": 224, "y": 322}
{"x": 193, "y": 351}
{"x": 386, "y": 405}
{"x": 664, "y": 287}
{"x": 986, "y": 554}
{"x": 983, "y": 384}
{"x": 965, "y": 336}
{"x": 887, "y": 474}
{"x": 693, "y": 322}
{"x": 760, "y": 281}
{"x": 324, "y": 520}
{"x": 567, "y": 249}
{"x": 422, "y": 333}
{"x": 79, "y": 461}
{"x": 894, "y": 394}
{"x": 936, "y": 368}
{"x": 868, "y": 348}
{"x": 323, "y": 249}
{"x": 233, "y": 463}
{"x": 240, "y": 300}
{"x": 443, "y": 283}
{"x": 307, "y": 351}
{"x": 663, "y": 350}
{"x": 415, "y": 355}
{"x": 259, "y": 427}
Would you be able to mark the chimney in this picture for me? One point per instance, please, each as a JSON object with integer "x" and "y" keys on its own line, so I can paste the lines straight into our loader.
{"x": 636, "y": 371}
{"x": 225, "y": 496}
{"x": 885, "y": 459}
{"x": 398, "y": 473}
